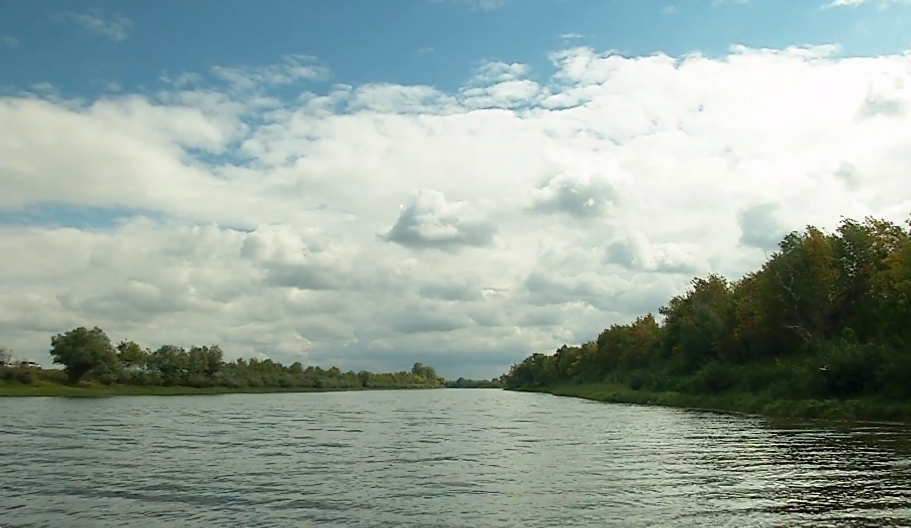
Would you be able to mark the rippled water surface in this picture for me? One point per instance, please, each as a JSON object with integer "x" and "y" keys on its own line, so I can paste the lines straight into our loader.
{"x": 445, "y": 458}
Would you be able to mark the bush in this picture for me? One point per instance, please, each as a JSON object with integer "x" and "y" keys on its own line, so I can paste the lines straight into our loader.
{"x": 107, "y": 378}
{"x": 850, "y": 370}
{"x": 25, "y": 376}
{"x": 636, "y": 381}
{"x": 714, "y": 378}
{"x": 52, "y": 375}
{"x": 893, "y": 374}
{"x": 231, "y": 382}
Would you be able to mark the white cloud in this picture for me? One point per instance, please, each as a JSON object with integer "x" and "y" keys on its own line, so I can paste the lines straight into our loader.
{"x": 293, "y": 68}
{"x": 10, "y": 42}
{"x": 497, "y": 72}
{"x": 116, "y": 27}
{"x": 634, "y": 251}
{"x": 376, "y": 225}
{"x": 577, "y": 187}
{"x": 760, "y": 227}
{"x": 428, "y": 220}
{"x": 855, "y": 3}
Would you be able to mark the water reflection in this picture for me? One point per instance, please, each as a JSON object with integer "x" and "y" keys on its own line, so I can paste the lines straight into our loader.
{"x": 854, "y": 477}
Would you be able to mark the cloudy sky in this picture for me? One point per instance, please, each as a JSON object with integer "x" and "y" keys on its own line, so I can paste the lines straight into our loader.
{"x": 460, "y": 182}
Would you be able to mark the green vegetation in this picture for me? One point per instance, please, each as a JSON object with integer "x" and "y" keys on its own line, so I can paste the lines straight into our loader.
{"x": 45, "y": 388}
{"x": 823, "y": 329}
{"x": 464, "y": 383}
{"x": 93, "y": 366}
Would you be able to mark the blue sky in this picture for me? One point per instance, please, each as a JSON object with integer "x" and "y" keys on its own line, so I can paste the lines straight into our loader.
{"x": 134, "y": 43}
{"x": 458, "y": 182}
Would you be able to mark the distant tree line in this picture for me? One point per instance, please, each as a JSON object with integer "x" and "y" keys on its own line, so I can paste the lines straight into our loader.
{"x": 828, "y": 316}
{"x": 465, "y": 383}
{"x": 88, "y": 355}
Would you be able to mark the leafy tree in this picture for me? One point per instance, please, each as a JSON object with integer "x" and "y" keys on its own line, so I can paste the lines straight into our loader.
{"x": 89, "y": 355}
{"x": 130, "y": 354}
{"x": 81, "y": 351}
{"x": 425, "y": 372}
{"x": 826, "y": 316}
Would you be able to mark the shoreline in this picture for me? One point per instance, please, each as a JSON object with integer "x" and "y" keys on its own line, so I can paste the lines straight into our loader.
{"x": 55, "y": 390}
{"x": 857, "y": 411}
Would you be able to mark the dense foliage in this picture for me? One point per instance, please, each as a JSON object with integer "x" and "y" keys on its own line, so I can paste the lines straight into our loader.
{"x": 828, "y": 316}
{"x": 465, "y": 383}
{"x": 89, "y": 355}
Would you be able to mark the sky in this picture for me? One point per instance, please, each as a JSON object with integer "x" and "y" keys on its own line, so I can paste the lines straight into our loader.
{"x": 457, "y": 182}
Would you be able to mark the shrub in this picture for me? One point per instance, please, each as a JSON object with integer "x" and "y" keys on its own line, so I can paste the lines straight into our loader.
{"x": 849, "y": 369}
{"x": 26, "y": 376}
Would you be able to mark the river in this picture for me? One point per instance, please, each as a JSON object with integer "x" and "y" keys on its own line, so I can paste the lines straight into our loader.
{"x": 434, "y": 459}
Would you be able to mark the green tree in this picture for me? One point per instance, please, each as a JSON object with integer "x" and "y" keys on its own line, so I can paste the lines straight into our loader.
{"x": 81, "y": 351}
{"x": 428, "y": 373}
{"x": 171, "y": 363}
{"x": 130, "y": 354}
{"x": 826, "y": 316}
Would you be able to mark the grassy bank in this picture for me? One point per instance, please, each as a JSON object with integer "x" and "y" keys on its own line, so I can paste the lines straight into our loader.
{"x": 866, "y": 409}
{"x": 98, "y": 390}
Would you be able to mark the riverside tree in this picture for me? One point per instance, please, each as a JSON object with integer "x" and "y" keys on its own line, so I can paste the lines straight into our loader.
{"x": 81, "y": 351}
{"x": 88, "y": 355}
{"x": 826, "y": 316}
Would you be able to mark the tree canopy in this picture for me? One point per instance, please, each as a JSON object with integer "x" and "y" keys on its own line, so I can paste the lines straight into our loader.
{"x": 81, "y": 351}
{"x": 88, "y": 354}
{"x": 826, "y": 316}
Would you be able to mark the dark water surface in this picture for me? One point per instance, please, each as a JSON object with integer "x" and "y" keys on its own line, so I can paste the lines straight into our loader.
{"x": 435, "y": 459}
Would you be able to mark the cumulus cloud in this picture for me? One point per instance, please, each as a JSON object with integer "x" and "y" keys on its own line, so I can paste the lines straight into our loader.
{"x": 579, "y": 194}
{"x": 376, "y": 225}
{"x": 428, "y": 220}
{"x": 760, "y": 228}
{"x": 288, "y": 260}
{"x": 501, "y": 85}
{"x": 634, "y": 251}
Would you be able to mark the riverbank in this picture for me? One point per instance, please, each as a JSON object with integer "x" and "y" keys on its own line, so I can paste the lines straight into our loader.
{"x": 867, "y": 410}
{"x": 98, "y": 390}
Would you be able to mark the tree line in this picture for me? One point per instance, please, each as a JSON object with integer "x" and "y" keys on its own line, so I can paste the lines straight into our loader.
{"x": 465, "y": 383}
{"x": 827, "y": 316}
{"x": 88, "y": 355}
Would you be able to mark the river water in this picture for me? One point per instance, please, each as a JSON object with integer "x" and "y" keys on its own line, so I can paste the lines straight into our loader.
{"x": 434, "y": 459}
